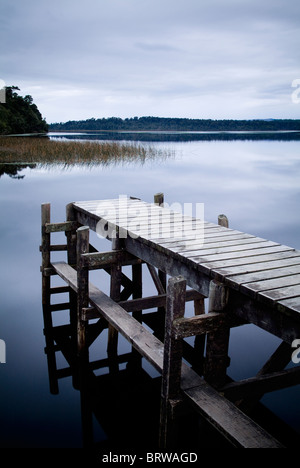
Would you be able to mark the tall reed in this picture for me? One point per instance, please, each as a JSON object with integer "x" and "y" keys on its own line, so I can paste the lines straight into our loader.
{"x": 46, "y": 151}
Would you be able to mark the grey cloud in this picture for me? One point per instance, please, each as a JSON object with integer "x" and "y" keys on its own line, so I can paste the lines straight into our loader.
{"x": 154, "y": 52}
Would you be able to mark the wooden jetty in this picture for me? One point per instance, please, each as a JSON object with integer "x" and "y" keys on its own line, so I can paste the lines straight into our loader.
{"x": 245, "y": 279}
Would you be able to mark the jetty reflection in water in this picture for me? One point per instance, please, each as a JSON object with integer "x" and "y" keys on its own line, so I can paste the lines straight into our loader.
{"x": 119, "y": 408}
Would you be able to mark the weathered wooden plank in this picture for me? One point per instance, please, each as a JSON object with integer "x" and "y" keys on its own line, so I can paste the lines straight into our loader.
{"x": 209, "y": 250}
{"x": 222, "y": 268}
{"x": 239, "y": 429}
{"x": 262, "y": 384}
{"x": 289, "y": 284}
{"x": 188, "y": 244}
{"x": 242, "y": 255}
{"x": 158, "y": 217}
{"x": 96, "y": 260}
{"x": 255, "y": 271}
{"x": 185, "y": 231}
{"x": 200, "y": 324}
{"x": 205, "y": 238}
{"x": 292, "y": 304}
{"x": 240, "y": 244}
{"x": 236, "y": 281}
{"x": 279, "y": 294}
{"x": 152, "y": 302}
{"x": 61, "y": 227}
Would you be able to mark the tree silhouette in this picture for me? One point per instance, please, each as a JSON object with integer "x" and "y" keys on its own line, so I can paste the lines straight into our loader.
{"x": 19, "y": 115}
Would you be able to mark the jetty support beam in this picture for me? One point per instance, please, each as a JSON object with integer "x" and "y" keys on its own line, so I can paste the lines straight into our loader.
{"x": 171, "y": 375}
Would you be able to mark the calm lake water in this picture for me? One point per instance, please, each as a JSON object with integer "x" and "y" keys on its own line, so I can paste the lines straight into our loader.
{"x": 255, "y": 182}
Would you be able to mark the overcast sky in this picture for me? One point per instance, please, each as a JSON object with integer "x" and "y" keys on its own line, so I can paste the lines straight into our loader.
{"x": 168, "y": 58}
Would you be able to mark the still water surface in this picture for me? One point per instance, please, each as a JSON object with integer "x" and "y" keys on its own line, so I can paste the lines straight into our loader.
{"x": 255, "y": 183}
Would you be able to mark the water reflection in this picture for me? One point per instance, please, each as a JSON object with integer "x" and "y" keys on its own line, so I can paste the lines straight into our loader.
{"x": 154, "y": 136}
{"x": 13, "y": 170}
{"x": 119, "y": 407}
{"x": 255, "y": 183}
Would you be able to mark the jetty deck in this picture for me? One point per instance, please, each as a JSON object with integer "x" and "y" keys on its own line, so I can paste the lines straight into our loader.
{"x": 246, "y": 279}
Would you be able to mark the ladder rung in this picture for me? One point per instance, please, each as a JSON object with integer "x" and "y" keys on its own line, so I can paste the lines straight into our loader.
{"x": 58, "y": 307}
{"x": 60, "y": 290}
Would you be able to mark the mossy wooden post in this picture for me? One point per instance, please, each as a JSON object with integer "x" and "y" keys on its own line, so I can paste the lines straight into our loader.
{"x": 46, "y": 295}
{"x": 159, "y": 200}
{"x": 72, "y": 260}
{"x": 223, "y": 220}
{"x": 82, "y": 298}
{"x": 217, "y": 344}
{"x": 171, "y": 375}
{"x": 115, "y": 294}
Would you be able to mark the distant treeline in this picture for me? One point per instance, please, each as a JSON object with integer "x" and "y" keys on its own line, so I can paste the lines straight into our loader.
{"x": 19, "y": 115}
{"x": 174, "y": 124}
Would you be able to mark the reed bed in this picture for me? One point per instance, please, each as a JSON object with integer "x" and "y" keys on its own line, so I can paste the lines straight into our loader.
{"x": 65, "y": 152}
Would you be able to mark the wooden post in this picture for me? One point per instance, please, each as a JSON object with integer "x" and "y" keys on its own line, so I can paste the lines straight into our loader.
{"x": 71, "y": 236}
{"x": 217, "y": 359}
{"x": 45, "y": 248}
{"x": 115, "y": 294}
{"x": 159, "y": 200}
{"x": 46, "y": 295}
{"x": 82, "y": 296}
{"x": 72, "y": 260}
{"x": 171, "y": 376}
{"x": 199, "y": 343}
{"x": 137, "y": 293}
{"x": 223, "y": 220}
{"x": 83, "y": 243}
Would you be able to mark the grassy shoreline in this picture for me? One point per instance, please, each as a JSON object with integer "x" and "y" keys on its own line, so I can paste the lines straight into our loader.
{"x": 46, "y": 151}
